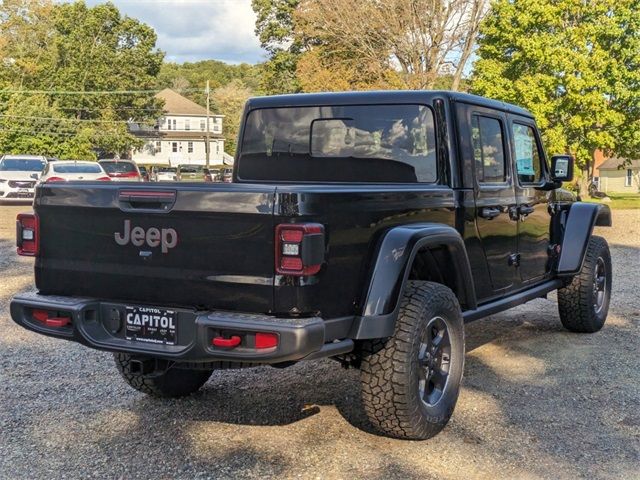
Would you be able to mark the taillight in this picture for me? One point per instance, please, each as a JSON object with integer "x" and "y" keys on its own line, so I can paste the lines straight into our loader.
{"x": 299, "y": 248}
{"x": 104, "y": 179}
{"x": 55, "y": 179}
{"x": 28, "y": 234}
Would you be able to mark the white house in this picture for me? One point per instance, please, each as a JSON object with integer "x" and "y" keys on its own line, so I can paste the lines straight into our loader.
{"x": 180, "y": 135}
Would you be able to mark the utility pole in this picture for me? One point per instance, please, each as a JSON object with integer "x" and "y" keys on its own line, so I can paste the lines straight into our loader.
{"x": 207, "y": 144}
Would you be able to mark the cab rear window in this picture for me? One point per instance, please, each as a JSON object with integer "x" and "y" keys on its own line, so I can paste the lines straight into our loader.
{"x": 358, "y": 143}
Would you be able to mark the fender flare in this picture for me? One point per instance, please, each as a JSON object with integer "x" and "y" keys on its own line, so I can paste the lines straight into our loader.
{"x": 391, "y": 268}
{"x": 578, "y": 227}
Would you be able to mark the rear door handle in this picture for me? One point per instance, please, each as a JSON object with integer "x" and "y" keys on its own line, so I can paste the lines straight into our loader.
{"x": 146, "y": 200}
{"x": 489, "y": 212}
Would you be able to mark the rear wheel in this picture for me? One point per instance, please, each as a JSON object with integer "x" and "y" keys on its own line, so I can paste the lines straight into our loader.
{"x": 169, "y": 382}
{"x": 584, "y": 303}
{"x": 411, "y": 381}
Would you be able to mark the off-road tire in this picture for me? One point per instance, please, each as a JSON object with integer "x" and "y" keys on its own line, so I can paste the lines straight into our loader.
{"x": 391, "y": 369}
{"x": 577, "y": 300}
{"x": 170, "y": 383}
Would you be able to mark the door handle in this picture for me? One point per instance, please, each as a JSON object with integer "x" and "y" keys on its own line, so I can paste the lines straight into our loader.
{"x": 489, "y": 212}
{"x": 526, "y": 210}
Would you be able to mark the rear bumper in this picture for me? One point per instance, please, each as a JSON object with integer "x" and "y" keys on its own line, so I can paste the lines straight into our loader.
{"x": 94, "y": 324}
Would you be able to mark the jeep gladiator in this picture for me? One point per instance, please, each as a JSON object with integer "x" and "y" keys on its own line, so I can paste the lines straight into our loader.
{"x": 364, "y": 227}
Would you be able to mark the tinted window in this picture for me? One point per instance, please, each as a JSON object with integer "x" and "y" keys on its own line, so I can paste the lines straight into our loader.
{"x": 370, "y": 143}
{"x": 77, "y": 168}
{"x": 488, "y": 149}
{"x": 167, "y": 170}
{"x": 191, "y": 169}
{"x": 21, "y": 165}
{"x": 527, "y": 155}
{"x": 118, "y": 167}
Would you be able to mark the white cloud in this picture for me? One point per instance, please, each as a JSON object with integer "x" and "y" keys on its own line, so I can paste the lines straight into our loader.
{"x": 192, "y": 30}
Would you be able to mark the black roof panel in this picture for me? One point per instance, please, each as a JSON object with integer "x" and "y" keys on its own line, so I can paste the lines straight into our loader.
{"x": 382, "y": 96}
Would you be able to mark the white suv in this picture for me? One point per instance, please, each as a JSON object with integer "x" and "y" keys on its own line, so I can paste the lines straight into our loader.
{"x": 18, "y": 176}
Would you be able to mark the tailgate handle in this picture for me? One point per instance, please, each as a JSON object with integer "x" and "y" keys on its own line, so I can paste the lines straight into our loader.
{"x": 147, "y": 199}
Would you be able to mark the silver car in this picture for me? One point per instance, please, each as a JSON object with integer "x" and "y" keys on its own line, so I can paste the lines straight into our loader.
{"x": 62, "y": 171}
{"x": 18, "y": 176}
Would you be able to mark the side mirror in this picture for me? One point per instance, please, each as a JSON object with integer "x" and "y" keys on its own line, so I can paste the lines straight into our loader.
{"x": 562, "y": 168}
{"x": 35, "y": 176}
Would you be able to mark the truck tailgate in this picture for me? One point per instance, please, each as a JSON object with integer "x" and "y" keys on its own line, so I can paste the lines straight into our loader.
{"x": 207, "y": 246}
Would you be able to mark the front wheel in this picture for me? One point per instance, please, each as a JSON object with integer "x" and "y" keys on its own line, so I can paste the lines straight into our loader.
{"x": 411, "y": 381}
{"x": 584, "y": 303}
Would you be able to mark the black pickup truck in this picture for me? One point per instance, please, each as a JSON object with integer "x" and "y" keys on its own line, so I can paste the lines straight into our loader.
{"x": 365, "y": 227}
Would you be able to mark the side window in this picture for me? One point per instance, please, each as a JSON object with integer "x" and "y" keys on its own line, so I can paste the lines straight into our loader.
{"x": 527, "y": 155}
{"x": 488, "y": 149}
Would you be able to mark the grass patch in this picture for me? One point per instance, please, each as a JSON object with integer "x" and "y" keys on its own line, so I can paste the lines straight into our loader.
{"x": 620, "y": 201}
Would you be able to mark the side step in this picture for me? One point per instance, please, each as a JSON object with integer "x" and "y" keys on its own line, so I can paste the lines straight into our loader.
{"x": 511, "y": 301}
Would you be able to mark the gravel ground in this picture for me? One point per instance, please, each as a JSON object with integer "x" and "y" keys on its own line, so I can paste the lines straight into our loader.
{"x": 537, "y": 402}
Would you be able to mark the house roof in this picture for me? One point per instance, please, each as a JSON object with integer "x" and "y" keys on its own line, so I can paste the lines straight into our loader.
{"x": 618, "y": 163}
{"x": 176, "y": 104}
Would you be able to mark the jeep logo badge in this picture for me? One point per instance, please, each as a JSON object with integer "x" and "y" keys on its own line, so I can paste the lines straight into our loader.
{"x": 165, "y": 238}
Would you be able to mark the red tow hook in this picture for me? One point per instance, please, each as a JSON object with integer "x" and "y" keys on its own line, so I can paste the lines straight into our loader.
{"x": 56, "y": 322}
{"x": 232, "y": 342}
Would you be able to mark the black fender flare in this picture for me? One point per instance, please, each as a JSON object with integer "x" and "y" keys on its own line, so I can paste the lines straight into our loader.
{"x": 578, "y": 227}
{"x": 392, "y": 264}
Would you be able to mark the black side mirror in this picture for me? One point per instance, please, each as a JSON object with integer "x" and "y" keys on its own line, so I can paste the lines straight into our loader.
{"x": 562, "y": 168}
{"x": 35, "y": 176}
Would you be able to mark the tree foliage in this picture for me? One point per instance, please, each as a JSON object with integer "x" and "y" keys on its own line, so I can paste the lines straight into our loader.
{"x": 574, "y": 64}
{"x": 392, "y": 44}
{"x": 71, "y": 47}
{"x": 275, "y": 29}
{"x": 229, "y": 101}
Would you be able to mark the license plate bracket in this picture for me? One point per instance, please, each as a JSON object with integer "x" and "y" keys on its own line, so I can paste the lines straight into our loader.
{"x": 151, "y": 325}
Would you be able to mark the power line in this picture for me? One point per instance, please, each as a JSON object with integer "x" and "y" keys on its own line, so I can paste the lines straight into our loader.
{"x": 90, "y": 92}
{"x": 66, "y": 119}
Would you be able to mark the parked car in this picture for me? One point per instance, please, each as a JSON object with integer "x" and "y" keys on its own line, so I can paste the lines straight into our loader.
{"x": 227, "y": 175}
{"x": 166, "y": 174}
{"x": 62, "y": 171}
{"x": 191, "y": 173}
{"x": 18, "y": 176}
{"x": 367, "y": 227}
{"x": 144, "y": 173}
{"x": 121, "y": 170}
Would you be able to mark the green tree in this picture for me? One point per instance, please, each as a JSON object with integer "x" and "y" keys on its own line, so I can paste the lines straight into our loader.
{"x": 574, "y": 64}
{"x": 73, "y": 48}
{"x": 275, "y": 28}
{"x": 229, "y": 101}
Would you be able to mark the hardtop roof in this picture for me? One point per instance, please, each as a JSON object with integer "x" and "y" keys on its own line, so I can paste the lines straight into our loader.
{"x": 382, "y": 96}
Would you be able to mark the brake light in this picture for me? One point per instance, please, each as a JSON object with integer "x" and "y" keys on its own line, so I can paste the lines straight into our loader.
{"x": 299, "y": 248}
{"x": 54, "y": 179}
{"x": 28, "y": 234}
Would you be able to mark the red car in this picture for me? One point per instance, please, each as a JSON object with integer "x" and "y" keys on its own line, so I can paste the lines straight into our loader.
{"x": 122, "y": 170}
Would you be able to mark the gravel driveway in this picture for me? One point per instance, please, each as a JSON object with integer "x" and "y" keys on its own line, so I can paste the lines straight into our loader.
{"x": 537, "y": 402}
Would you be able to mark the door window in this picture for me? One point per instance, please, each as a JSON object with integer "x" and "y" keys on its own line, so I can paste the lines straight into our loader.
{"x": 628, "y": 178}
{"x": 527, "y": 155}
{"x": 488, "y": 149}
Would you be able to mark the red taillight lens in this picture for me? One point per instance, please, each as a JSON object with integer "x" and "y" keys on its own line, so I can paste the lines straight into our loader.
{"x": 299, "y": 248}
{"x": 27, "y": 234}
{"x": 54, "y": 179}
{"x": 104, "y": 179}
{"x": 266, "y": 340}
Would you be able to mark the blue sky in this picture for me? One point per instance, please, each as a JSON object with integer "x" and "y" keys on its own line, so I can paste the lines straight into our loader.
{"x": 192, "y": 30}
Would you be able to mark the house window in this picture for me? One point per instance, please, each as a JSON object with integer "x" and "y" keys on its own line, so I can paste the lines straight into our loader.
{"x": 203, "y": 125}
{"x": 175, "y": 124}
{"x": 158, "y": 146}
{"x": 187, "y": 124}
{"x": 174, "y": 147}
{"x": 190, "y": 147}
{"x": 628, "y": 179}
{"x": 168, "y": 123}
{"x": 218, "y": 147}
